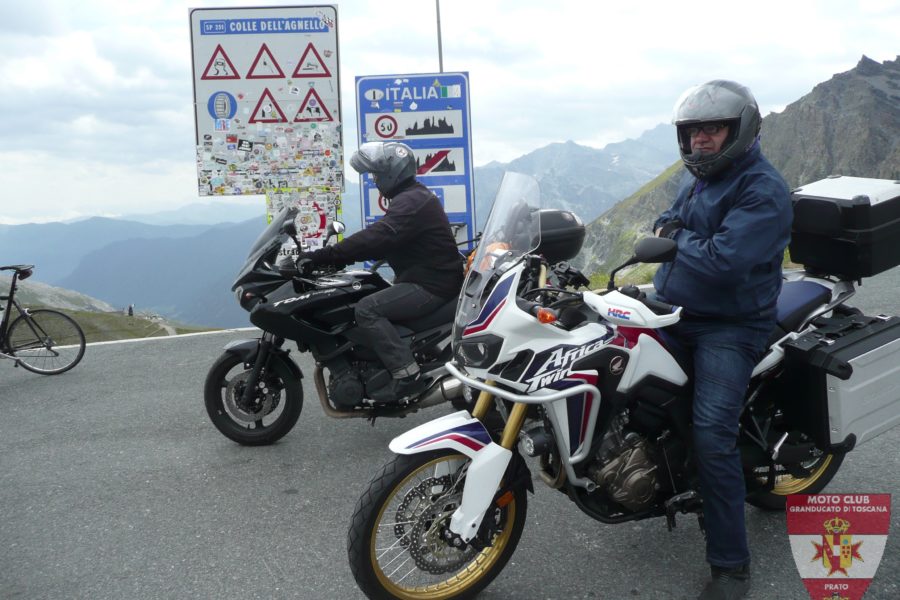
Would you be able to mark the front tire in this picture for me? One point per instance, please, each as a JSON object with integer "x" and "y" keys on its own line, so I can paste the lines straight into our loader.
{"x": 272, "y": 412}
{"x": 397, "y": 545}
{"x": 46, "y": 342}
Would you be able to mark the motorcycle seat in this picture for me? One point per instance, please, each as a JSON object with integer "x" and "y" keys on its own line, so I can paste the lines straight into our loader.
{"x": 441, "y": 316}
{"x": 796, "y": 301}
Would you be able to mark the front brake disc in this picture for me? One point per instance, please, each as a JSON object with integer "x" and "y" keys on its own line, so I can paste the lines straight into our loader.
{"x": 261, "y": 404}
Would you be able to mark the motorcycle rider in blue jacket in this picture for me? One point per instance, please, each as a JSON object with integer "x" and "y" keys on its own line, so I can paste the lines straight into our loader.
{"x": 732, "y": 221}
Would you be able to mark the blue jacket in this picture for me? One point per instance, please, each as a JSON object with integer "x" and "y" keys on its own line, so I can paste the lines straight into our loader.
{"x": 730, "y": 248}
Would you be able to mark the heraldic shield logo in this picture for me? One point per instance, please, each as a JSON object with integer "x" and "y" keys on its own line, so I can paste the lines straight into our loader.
{"x": 837, "y": 541}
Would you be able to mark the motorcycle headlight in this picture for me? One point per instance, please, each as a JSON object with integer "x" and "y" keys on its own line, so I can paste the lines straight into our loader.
{"x": 479, "y": 352}
{"x": 246, "y": 299}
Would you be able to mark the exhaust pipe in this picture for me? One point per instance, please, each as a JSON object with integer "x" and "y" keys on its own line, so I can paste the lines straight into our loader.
{"x": 443, "y": 390}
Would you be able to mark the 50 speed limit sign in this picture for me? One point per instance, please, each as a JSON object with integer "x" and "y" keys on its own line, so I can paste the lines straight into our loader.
{"x": 385, "y": 126}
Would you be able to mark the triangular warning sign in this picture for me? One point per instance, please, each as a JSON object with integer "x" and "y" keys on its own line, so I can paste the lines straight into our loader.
{"x": 265, "y": 66}
{"x": 267, "y": 110}
{"x": 311, "y": 66}
{"x": 312, "y": 109}
{"x": 220, "y": 66}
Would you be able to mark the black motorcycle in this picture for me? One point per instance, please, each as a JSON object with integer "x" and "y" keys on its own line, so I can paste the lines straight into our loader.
{"x": 253, "y": 392}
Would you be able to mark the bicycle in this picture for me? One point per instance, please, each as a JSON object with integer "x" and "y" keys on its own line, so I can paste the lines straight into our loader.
{"x": 42, "y": 340}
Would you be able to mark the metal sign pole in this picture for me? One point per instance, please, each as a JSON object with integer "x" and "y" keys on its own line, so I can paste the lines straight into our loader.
{"x": 437, "y": 4}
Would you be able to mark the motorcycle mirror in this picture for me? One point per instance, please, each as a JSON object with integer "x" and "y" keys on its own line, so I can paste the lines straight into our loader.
{"x": 334, "y": 228}
{"x": 647, "y": 250}
{"x": 289, "y": 227}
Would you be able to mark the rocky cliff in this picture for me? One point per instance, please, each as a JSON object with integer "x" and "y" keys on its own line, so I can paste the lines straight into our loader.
{"x": 848, "y": 125}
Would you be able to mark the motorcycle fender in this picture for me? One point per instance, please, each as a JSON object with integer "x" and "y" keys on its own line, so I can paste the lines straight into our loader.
{"x": 243, "y": 349}
{"x": 458, "y": 431}
{"x": 246, "y": 350}
{"x": 462, "y": 433}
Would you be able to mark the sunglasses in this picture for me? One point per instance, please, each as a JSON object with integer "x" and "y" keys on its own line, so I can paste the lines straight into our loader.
{"x": 712, "y": 129}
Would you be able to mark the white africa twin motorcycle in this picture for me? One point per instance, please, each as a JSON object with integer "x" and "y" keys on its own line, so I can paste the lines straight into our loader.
{"x": 583, "y": 382}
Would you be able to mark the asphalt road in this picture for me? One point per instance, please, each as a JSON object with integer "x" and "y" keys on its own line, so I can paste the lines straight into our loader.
{"x": 114, "y": 485}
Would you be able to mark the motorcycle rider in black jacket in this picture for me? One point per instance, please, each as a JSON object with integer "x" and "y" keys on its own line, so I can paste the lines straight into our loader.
{"x": 415, "y": 239}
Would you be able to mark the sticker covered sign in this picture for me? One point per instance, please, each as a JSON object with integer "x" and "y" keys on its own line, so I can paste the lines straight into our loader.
{"x": 267, "y": 103}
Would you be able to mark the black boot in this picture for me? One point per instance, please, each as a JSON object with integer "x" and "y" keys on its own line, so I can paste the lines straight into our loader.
{"x": 410, "y": 386}
{"x": 399, "y": 389}
{"x": 727, "y": 584}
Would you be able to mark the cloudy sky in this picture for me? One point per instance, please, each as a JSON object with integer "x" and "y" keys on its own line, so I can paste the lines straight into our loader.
{"x": 97, "y": 118}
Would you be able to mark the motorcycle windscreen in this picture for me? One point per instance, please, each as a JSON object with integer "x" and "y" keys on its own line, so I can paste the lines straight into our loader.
{"x": 513, "y": 230}
{"x": 268, "y": 241}
{"x": 273, "y": 230}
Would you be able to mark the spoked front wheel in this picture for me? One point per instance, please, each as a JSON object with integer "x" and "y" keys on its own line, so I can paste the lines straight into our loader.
{"x": 45, "y": 341}
{"x": 269, "y": 413}
{"x": 400, "y": 544}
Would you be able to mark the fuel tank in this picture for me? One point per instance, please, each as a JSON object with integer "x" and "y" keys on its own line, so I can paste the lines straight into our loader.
{"x": 289, "y": 311}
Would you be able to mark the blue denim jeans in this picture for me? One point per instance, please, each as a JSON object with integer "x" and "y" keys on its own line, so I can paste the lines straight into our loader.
{"x": 723, "y": 355}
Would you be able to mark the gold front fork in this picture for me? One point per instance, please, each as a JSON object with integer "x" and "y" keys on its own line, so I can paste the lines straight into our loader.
{"x": 513, "y": 424}
{"x": 483, "y": 405}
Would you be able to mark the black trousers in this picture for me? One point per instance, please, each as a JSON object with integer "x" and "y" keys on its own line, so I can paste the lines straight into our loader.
{"x": 400, "y": 302}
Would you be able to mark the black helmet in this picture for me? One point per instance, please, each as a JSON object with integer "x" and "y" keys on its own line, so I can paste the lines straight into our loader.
{"x": 391, "y": 164}
{"x": 716, "y": 101}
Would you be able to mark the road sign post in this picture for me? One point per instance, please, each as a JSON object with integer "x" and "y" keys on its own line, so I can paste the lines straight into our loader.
{"x": 430, "y": 114}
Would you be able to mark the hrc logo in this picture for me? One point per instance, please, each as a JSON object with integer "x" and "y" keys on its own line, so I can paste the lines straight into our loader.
{"x": 618, "y": 313}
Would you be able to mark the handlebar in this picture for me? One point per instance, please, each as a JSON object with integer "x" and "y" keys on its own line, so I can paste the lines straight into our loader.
{"x": 658, "y": 308}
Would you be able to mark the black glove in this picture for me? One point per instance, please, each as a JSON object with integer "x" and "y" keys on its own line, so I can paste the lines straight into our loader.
{"x": 306, "y": 256}
{"x": 671, "y": 229}
{"x": 304, "y": 263}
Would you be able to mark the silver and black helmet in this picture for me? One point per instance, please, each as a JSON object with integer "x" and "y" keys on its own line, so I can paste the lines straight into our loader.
{"x": 717, "y": 101}
{"x": 391, "y": 164}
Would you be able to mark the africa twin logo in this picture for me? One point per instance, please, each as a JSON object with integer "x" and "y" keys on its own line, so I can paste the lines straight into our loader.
{"x": 559, "y": 363}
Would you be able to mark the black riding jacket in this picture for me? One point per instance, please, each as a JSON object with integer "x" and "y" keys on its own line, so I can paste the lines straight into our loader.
{"x": 413, "y": 236}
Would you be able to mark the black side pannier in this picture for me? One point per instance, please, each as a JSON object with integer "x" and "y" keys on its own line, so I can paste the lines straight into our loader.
{"x": 841, "y": 381}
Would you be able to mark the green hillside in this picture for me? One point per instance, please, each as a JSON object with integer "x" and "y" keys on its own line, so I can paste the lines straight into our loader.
{"x": 108, "y": 326}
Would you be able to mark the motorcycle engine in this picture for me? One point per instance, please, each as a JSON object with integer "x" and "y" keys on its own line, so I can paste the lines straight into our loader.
{"x": 345, "y": 389}
{"x": 625, "y": 469}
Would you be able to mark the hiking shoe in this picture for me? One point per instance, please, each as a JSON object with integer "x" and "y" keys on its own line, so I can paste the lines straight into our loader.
{"x": 727, "y": 584}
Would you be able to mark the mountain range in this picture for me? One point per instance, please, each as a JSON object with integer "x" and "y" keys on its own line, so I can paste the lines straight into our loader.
{"x": 848, "y": 125}
{"x": 181, "y": 263}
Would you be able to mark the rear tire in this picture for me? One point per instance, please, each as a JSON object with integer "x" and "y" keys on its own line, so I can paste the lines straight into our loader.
{"x": 822, "y": 470}
{"x": 395, "y": 542}
{"x": 46, "y": 342}
{"x": 274, "y": 410}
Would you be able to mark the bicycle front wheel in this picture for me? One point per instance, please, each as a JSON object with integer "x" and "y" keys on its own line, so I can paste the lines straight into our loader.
{"x": 46, "y": 341}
